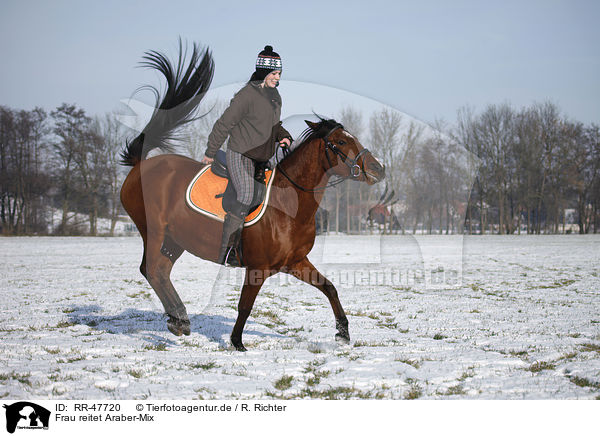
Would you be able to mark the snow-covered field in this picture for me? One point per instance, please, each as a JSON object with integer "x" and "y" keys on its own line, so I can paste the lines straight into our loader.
{"x": 522, "y": 320}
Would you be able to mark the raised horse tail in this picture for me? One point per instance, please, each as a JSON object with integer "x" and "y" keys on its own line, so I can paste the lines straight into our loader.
{"x": 185, "y": 89}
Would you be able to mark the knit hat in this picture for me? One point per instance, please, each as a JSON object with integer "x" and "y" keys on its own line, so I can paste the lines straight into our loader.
{"x": 266, "y": 62}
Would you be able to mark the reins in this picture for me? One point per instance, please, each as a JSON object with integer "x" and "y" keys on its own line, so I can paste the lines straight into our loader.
{"x": 355, "y": 169}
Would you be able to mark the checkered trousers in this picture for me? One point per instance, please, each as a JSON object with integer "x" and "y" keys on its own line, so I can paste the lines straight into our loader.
{"x": 241, "y": 172}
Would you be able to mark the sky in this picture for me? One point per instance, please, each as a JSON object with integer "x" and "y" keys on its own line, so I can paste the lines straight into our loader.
{"x": 424, "y": 58}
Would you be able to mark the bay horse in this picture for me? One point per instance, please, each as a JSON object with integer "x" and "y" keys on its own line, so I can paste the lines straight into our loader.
{"x": 153, "y": 194}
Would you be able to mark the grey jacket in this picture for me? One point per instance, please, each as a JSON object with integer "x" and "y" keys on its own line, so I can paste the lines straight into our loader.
{"x": 252, "y": 123}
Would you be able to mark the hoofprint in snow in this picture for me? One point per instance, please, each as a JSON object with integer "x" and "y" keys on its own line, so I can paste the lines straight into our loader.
{"x": 78, "y": 321}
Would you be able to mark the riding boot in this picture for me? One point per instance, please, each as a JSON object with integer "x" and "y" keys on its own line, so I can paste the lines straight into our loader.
{"x": 232, "y": 232}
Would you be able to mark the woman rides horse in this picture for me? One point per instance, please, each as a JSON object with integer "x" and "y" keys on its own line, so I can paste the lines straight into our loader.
{"x": 153, "y": 194}
{"x": 252, "y": 123}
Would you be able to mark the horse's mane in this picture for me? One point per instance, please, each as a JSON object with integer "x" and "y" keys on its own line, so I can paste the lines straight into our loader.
{"x": 323, "y": 127}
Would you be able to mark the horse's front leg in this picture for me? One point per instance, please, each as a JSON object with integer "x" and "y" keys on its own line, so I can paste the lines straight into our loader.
{"x": 252, "y": 283}
{"x": 305, "y": 271}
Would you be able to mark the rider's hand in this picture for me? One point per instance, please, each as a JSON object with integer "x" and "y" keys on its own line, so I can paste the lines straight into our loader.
{"x": 285, "y": 142}
{"x": 207, "y": 160}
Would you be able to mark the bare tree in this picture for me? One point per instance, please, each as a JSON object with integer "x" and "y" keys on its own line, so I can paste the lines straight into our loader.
{"x": 196, "y": 133}
{"x": 113, "y": 134}
{"x": 22, "y": 178}
{"x": 352, "y": 120}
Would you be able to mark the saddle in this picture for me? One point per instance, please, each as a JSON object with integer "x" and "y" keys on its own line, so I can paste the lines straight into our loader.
{"x": 212, "y": 193}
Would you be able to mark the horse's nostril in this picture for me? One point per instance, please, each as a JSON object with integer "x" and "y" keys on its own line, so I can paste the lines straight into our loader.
{"x": 377, "y": 168}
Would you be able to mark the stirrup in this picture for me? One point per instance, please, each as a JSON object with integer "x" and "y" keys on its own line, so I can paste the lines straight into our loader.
{"x": 231, "y": 258}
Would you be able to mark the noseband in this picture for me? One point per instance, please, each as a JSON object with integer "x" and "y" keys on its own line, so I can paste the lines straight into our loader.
{"x": 355, "y": 169}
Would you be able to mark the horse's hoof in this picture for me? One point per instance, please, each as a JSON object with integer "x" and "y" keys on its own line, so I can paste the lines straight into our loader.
{"x": 238, "y": 345}
{"x": 178, "y": 326}
{"x": 343, "y": 338}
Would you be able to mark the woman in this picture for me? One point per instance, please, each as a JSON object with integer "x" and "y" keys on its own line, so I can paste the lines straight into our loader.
{"x": 252, "y": 124}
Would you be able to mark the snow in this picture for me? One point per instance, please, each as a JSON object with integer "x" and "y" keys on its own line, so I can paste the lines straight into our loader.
{"x": 518, "y": 318}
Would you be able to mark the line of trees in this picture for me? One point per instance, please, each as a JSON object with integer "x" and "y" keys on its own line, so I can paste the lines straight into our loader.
{"x": 535, "y": 167}
{"x": 57, "y": 168}
{"x": 498, "y": 171}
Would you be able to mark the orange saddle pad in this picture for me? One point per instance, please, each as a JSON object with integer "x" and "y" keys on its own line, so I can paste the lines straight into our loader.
{"x": 202, "y": 192}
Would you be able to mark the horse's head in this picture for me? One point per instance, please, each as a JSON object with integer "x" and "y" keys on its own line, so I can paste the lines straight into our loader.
{"x": 344, "y": 155}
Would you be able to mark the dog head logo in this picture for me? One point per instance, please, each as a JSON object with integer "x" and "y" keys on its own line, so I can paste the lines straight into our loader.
{"x": 26, "y": 415}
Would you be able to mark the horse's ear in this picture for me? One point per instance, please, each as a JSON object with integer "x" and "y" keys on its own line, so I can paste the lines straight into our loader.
{"x": 312, "y": 125}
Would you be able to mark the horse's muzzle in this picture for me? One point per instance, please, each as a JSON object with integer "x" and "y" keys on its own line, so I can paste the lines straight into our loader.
{"x": 374, "y": 171}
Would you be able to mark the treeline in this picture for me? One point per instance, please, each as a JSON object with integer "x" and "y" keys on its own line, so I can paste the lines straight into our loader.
{"x": 501, "y": 170}
{"x": 534, "y": 166}
{"x": 58, "y": 171}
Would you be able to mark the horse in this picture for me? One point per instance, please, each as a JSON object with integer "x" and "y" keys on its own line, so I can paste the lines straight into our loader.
{"x": 153, "y": 194}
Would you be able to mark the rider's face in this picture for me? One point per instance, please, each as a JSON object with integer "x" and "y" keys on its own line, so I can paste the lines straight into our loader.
{"x": 272, "y": 79}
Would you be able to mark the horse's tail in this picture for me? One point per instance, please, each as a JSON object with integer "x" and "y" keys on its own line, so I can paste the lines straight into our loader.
{"x": 185, "y": 89}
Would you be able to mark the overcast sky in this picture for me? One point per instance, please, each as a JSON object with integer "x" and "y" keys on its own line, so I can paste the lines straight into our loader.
{"x": 425, "y": 58}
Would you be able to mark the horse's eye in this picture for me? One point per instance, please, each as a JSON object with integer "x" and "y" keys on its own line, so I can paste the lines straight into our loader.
{"x": 341, "y": 142}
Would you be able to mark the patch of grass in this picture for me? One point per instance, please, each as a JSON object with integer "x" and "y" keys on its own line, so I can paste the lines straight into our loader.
{"x": 314, "y": 365}
{"x": 52, "y": 350}
{"x": 313, "y": 381}
{"x": 569, "y": 356}
{"x": 210, "y": 392}
{"x": 317, "y": 376}
{"x": 476, "y": 287}
{"x": 584, "y": 382}
{"x": 467, "y": 374}
{"x": 205, "y": 366}
{"x": 315, "y": 349}
{"x": 415, "y": 390}
{"x": 68, "y": 310}
{"x": 414, "y": 363}
{"x": 388, "y": 323}
{"x": 190, "y": 344}
{"x": 284, "y": 382}
{"x": 439, "y": 336}
{"x": 269, "y": 314}
{"x": 141, "y": 294}
{"x": 156, "y": 347}
{"x": 557, "y": 284}
{"x": 541, "y": 366}
{"x": 64, "y": 324}
{"x": 136, "y": 373}
{"x": 590, "y": 347}
{"x": 20, "y": 377}
{"x": 523, "y": 353}
{"x": 454, "y": 390}
{"x": 340, "y": 393}
{"x": 360, "y": 343}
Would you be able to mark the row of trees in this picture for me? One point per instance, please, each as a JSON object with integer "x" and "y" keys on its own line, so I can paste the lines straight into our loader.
{"x": 501, "y": 170}
{"x": 63, "y": 163}
{"x": 534, "y": 166}
{"x": 498, "y": 171}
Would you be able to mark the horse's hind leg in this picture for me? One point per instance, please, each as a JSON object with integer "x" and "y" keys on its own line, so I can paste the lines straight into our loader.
{"x": 160, "y": 257}
{"x": 305, "y": 271}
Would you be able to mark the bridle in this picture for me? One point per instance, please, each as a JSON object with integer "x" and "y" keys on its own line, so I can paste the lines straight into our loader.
{"x": 355, "y": 169}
